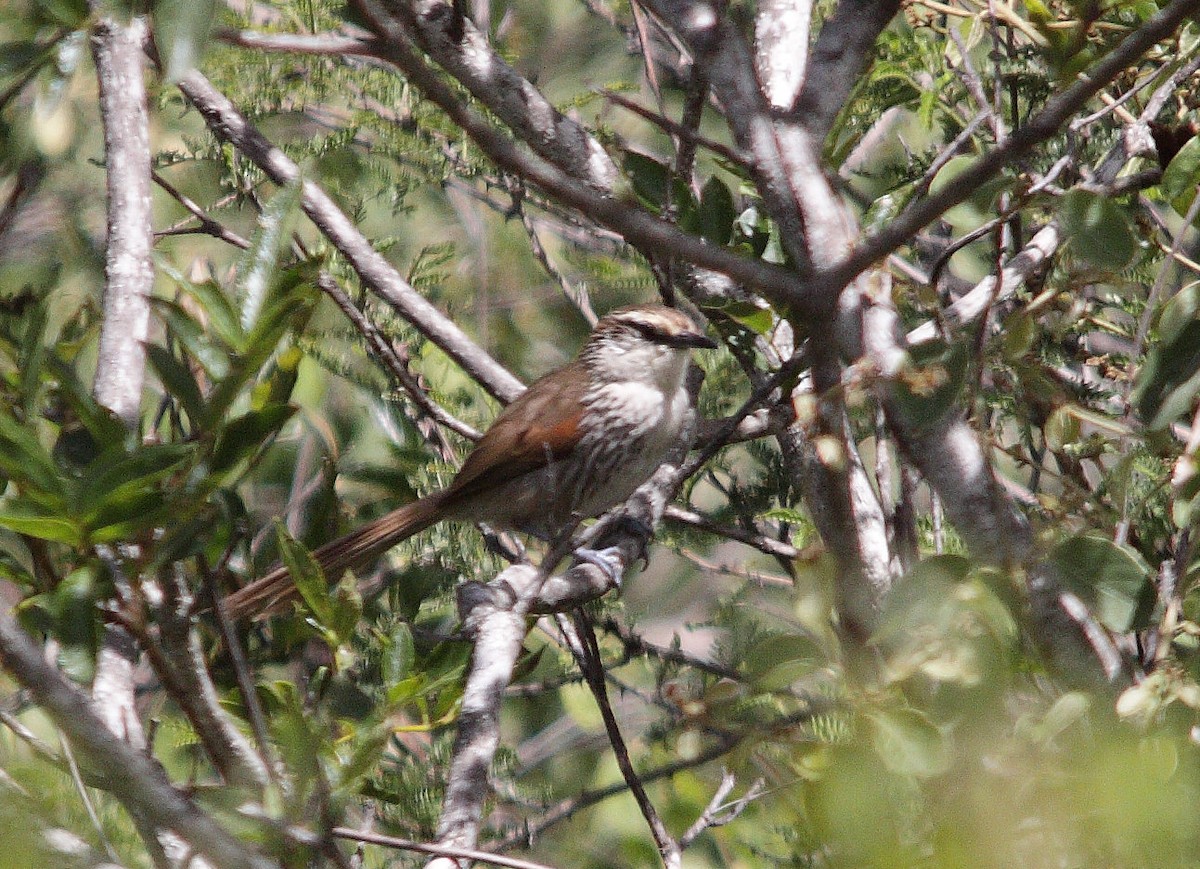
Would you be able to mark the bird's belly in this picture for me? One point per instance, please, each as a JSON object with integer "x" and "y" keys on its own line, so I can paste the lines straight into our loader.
{"x": 632, "y": 428}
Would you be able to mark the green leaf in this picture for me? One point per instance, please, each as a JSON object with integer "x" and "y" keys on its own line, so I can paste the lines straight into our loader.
{"x": 909, "y": 743}
{"x": 1169, "y": 381}
{"x": 219, "y": 312}
{"x": 1112, "y": 580}
{"x": 17, "y": 56}
{"x": 759, "y": 320}
{"x": 256, "y": 271}
{"x": 181, "y": 33}
{"x": 247, "y": 434}
{"x": 398, "y": 655}
{"x": 211, "y": 355}
{"x": 651, "y": 179}
{"x": 26, "y": 520}
{"x": 714, "y": 219}
{"x": 364, "y": 758}
{"x": 24, "y": 460}
{"x": 115, "y": 476}
{"x": 345, "y": 610}
{"x": 776, "y": 662}
{"x": 1098, "y": 230}
{"x": 307, "y": 574}
{"x": 69, "y": 13}
{"x": 752, "y": 230}
{"x": 33, "y": 353}
{"x": 105, "y": 429}
{"x": 1181, "y": 176}
{"x": 178, "y": 381}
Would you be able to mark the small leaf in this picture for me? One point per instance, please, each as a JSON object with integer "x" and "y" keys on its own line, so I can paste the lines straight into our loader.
{"x": 257, "y": 268}
{"x": 345, "y": 610}
{"x": 1169, "y": 380}
{"x": 909, "y": 743}
{"x": 398, "y": 655}
{"x": 178, "y": 381}
{"x": 115, "y": 475}
{"x": 246, "y": 434}
{"x": 1098, "y": 230}
{"x": 778, "y": 661}
{"x": 1112, "y": 580}
{"x": 25, "y": 460}
{"x": 307, "y": 574}
{"x": 651, "y": 179}
{"x": 715, "y": 216}
{"x": 210, "y": 354}
{"x": 220, "y": 314}
{"x": 43, "y": 527}
{"x": 1181, "y": 176}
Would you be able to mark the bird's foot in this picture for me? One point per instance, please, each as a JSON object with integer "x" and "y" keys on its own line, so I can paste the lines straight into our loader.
{"x": 635, "y": 527}
{"x": 609, "y": 560}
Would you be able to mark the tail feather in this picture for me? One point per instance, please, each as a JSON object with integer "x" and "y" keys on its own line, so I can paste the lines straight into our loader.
{"x": 273, "y": 592}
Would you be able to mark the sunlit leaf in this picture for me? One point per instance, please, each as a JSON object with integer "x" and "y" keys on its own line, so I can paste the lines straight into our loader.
{"x": 1181, "y": 176}
{"x": 306, "y": 573}
{"x": 259, "y": 262}
{"x": 909, "y": 743}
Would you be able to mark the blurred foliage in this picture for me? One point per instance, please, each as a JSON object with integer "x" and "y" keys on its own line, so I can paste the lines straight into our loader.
{"x": 268, "y": 429}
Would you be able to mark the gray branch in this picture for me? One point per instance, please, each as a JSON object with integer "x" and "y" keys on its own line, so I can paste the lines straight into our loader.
{"x": 458, "y": 46}
{"x": 781, "y": 29}
{"x": 842, "y": 51}
{"x": 819, "y": 232}
{"x": 497, "y": 621}
{"x": 230, "y": 125}
{"x": 120, "y": 365}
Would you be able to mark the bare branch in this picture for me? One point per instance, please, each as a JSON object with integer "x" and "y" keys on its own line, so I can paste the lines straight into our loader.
{"x": 587, "y": 652}
{"x": 841, "y": 53}
{"x": 436, "y": 850}
{"x": 781, "y": 29}
{"x": 638, "y": 226}
{"x": 464, "y": 52}
{"x": 495, "y": 616}
{"x": 120, "y": 364}
{"x": 1042, "y": 126}
{"x": 230, "y": 125}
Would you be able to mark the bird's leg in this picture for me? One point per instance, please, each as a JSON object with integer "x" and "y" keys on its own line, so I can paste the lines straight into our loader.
{"x": 608, "y": 558}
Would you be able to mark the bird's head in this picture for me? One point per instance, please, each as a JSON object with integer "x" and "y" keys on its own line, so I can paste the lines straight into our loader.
{"x": 648, "y": 342}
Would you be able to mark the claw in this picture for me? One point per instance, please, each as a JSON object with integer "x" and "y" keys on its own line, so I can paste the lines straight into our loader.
{"x": 607, "y": 559}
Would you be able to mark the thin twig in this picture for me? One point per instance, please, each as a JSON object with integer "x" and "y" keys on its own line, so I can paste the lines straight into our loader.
{"x": 593, "y": 670}
{"x": 436, "y": 850}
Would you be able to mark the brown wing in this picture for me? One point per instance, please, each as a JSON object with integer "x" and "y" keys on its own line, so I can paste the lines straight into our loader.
{"x": 540, "y": 426}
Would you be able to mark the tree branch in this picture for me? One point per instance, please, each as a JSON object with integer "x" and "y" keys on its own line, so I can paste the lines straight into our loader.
{"x": 135, "y": 780}
{"x": 230, "y": 125}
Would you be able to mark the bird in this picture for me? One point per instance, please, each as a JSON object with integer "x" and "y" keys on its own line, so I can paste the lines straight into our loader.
{"x": 577, "y": 442}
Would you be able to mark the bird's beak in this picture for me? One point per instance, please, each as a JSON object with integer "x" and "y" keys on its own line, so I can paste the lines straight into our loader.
{"x": 693, "y": 339}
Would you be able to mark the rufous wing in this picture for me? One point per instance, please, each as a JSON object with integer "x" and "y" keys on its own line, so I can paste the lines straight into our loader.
{"x": 541, "y": 426}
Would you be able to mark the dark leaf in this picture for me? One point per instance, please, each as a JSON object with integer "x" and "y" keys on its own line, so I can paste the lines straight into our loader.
{"x": 1112, "y": 580}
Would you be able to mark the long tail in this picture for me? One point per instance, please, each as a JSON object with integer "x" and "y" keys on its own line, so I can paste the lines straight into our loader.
{"x": 272, "y": 593}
